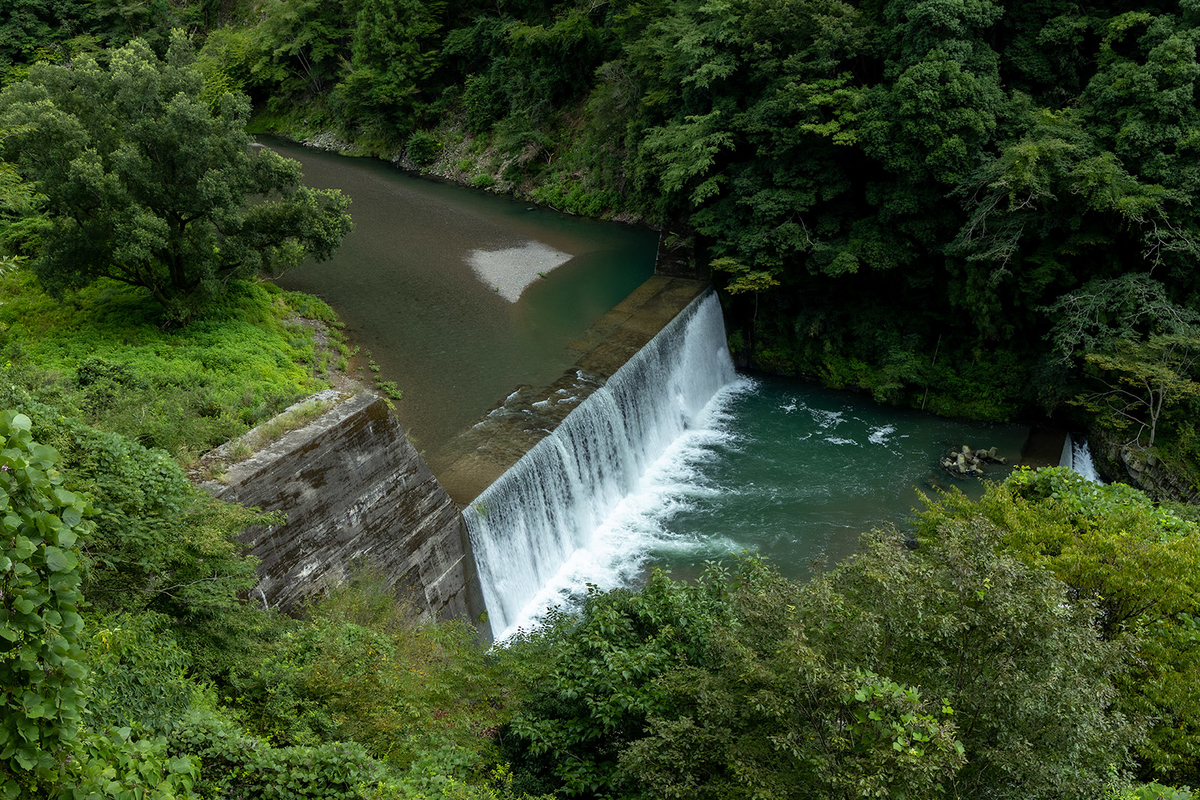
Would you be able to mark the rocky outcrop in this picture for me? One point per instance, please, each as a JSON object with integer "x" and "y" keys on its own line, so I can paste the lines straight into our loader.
{"x": 1142, "y": 469}
{"x": 968, "y": 463}
{"x": 354, "y": 489}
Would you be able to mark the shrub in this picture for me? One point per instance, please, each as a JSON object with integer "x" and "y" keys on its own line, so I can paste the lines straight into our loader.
{"x": 423, "y": 148}
{"x": 41, "y": 696}
{"x": 238, "y": 767}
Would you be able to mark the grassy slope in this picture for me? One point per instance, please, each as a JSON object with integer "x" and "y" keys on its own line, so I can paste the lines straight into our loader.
{"x": 101, "y": 353}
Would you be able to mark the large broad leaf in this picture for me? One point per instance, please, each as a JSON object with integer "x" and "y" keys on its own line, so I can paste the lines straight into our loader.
{"x": 59, "y": 560}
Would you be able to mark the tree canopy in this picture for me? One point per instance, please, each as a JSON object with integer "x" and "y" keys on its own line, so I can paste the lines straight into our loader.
{"x": 954, "y": 670}
{"x": 146, "y": 183}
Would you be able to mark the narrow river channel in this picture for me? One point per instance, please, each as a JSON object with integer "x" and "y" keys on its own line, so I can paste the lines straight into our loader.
{"x": 405, "y": 285}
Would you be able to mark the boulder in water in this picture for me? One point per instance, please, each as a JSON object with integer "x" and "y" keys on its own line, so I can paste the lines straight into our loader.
{"x": 968, "y": 462}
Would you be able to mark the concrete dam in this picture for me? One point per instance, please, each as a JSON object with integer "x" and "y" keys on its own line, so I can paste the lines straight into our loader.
{"x": 450, "y": 531}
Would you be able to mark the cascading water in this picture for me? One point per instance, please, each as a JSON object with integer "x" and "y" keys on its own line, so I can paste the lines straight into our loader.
{"x": 527, "y": 524}
{"x": 1077, "y": 456}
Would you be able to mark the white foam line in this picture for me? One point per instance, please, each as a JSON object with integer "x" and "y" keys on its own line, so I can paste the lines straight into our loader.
{"x": 622, "y": 543}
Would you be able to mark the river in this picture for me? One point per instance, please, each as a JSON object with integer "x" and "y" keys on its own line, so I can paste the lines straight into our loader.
{"x": 773, "y": 465}
{"x": 404, "y": 284}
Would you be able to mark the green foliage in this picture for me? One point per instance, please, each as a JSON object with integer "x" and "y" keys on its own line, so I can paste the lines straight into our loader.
{"x": 117, "y": 763}
{"x": 422, "y": 699}
{"x": 148, "y": 185}
{"x": 391, "y": 57}
{"x": 1143, "y": 382}
{"x": 598, "y": 687}
{"x": 20, "y": 219}
{"x": 296, "y": 49}
{"x": 1156, "y": 791}
{"x": 1138, "y": 562}
{"x": 184, "y": 389}
{"x": 423, "y": 148}
{"x": 40, "y": 669}
{"x": 743, "y": 279}
{"x": 137, "y": 674}
{"x": 234, "y": 765}
{"x": 158, "y": 543}
{"x": 41, "y": 29}
{"x": 748, "y": 685}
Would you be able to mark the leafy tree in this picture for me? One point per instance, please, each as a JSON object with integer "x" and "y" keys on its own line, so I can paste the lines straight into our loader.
{"x": 302, "y": 44}
{"x": 950, "y": 670}
{"x": 147, "y": 185}
{"x": 1140, "y": 564}
{"x": 598, "y": 685}
{"x": 20, "y": 220}
{"x": 1141, "y": 347}
{"x": 30, "y": 29}
{"x": 1147, "y": 380}
{"x": 391, "y": 57}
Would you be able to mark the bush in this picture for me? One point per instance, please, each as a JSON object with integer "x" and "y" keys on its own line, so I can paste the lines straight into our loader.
{"x": 746, "y": 684}
{"x": 41, "y": 697}
{"x": 423, "y": 148}
{"x": 238, "y": 767}
{"x": 1138, "y": 562}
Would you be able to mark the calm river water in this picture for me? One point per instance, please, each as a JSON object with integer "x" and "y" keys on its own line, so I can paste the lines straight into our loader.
{"x": 404, "y": 285}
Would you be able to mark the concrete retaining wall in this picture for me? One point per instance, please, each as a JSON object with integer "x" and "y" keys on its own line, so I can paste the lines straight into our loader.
{"x": 354, "y": 489}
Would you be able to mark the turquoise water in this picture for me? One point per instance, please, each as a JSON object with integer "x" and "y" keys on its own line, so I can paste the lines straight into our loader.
{"x": 776, "y": 466}
{"x": 403, "y": 284}
{"x": 797, "y": 472}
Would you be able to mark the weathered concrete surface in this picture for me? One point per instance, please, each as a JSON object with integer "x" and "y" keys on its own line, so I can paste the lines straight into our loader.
{"x": 1044, "y": 447}
{"x": 474, "y": 460}
{"x": 355, "y": 489}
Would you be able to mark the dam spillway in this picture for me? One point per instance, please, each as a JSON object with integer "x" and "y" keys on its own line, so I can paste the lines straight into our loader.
{"x": 356, "y": 490}
{"x": 527, "y": 522}
{"x": 779, "y": 467}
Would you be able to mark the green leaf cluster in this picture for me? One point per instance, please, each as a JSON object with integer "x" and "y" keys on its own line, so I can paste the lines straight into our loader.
{"x": 147, "y": 184}
{"x": 953, "y": 670}
{"x": 40, "y": 671}
{"x": 1138, "y": 562}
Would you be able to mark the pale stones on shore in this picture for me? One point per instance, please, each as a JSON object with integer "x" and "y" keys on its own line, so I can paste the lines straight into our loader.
{"x": 510, "y": 270}
{"x": 970, "y": 463}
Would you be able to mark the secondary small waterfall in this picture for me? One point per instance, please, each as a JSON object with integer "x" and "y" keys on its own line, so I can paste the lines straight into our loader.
{"x": 527, "y": 524}
{"x": 1077, "y": 456}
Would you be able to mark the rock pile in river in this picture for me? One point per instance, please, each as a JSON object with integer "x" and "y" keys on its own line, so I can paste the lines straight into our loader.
{"x": 968, "y": 462}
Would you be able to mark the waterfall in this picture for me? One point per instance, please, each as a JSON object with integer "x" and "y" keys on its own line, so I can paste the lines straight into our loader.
{"x": 1077, "y": 456}
{"x": 528, "y": 523}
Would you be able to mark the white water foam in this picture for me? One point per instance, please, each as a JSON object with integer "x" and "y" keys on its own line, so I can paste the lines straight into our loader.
{"x": 880, "y": 434}
{"x": 620, "y": 546}
{"x": 1077, "y": 456}
{"x": 576, "y": 507}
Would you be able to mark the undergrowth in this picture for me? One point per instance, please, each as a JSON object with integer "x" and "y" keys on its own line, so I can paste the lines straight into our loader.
{"x": 101, "y": 353}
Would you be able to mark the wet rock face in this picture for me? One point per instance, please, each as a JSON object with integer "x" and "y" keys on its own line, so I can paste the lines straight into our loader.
{"x": 354, "y": 488}
{"x": 1140, "y": 468}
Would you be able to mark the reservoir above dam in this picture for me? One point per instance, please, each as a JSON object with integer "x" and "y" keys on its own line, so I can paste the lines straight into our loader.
{"x": 428, "y": 284}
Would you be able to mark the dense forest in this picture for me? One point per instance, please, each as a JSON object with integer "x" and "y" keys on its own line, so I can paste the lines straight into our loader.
{"x": 979, "y": 209}
{"x": 974, "y": 208}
